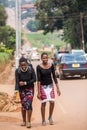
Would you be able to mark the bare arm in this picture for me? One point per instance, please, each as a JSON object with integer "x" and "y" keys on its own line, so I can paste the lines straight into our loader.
{"x": 38, "y": 82}
{"x": 55, "y": 80}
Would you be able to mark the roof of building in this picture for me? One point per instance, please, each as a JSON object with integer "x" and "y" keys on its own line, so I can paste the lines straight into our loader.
{"x": 28, "y": 6}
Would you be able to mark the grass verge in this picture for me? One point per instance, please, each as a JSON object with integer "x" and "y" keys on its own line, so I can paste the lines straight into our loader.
{"x": 38, "y": 39}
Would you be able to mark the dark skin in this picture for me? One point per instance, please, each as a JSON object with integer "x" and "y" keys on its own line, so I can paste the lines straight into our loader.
{"x": 24, "y": 66}
{"x": 46, "y": 65}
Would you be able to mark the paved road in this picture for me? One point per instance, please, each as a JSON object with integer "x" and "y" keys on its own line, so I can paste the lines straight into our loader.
{"x": 70, "y": 109}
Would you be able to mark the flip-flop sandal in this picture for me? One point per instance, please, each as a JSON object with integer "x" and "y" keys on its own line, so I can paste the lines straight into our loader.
{"x": 23, "y": 124}
{"x": 43, "y": 122}
{"x": 50, "y": 121}
{"x": 28, "y": 125}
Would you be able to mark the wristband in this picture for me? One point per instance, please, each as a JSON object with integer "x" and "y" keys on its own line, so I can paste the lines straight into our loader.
{"x": 25, "y": 83}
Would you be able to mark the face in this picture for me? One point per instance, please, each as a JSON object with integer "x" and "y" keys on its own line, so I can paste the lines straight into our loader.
{"x": 23, "y": 65}
{"x": 44, "y": 58}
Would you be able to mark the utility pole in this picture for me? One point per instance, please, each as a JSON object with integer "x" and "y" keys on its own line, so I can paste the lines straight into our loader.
{"x": 82, "y": 31}
{"x": 17, "y": 33}
{"x": 19, "y": 10}
{"x": 18, "y": 30}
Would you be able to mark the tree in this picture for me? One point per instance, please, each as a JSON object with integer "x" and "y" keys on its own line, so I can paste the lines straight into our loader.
{"x": 56, "y": 14}
{"x": 7, "y": 34}
{"x": 73, "y": 30}
{"x": 3, "y": 16}
{"x": 33, "y": 25}
{"x": 49, "y": 14}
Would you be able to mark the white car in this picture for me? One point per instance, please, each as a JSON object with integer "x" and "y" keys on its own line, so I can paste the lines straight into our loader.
{"x": 35, "y": 56}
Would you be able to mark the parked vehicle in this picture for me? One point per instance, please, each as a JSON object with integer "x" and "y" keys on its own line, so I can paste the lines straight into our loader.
{"x": 35, "y": 56}
{"x": 71, "y": 65}
{"x": 85, "y": 55}
{"x": 78, "y": 52}
{"x": 57, "y": 56}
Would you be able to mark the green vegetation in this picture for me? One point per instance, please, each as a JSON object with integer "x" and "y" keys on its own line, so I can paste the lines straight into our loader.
{"x": 39, "y": 40}
{"x": 4, "y": 57}
{"x": 3, "y": 16}
{"x": 7, "y": 36}
{"x": 33, "y": 25}
{"x": 65, "y": 14}
{"x": 7, "y": 33}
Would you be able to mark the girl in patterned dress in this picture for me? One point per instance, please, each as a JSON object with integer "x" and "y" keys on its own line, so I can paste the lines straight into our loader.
{"x": 25, "y": 78}
{"x": 45, "y": 76}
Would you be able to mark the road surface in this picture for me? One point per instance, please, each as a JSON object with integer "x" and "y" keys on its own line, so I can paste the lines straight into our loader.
{"x": 70, "y": 108}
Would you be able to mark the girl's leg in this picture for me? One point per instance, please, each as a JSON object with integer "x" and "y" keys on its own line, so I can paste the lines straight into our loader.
{"x": 43, "y": 105}
{"x": 23, "y": 115}
{"x": 51, "y": 108}
{"x": 29, "y": 113}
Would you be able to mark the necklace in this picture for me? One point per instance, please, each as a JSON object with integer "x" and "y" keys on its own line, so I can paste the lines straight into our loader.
{"x": 46, "y": 66}
{"x": 24, "y": 70}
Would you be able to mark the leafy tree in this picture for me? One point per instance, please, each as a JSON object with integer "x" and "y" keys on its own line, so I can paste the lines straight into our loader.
{"x": 56, "y": 14}
{"x": 33, "y": 25}
{"x": 49, "y": 14}
{"x": 73, "y": 30}
{"x": 7, "y": 34}
{"x": 3, "y": 16}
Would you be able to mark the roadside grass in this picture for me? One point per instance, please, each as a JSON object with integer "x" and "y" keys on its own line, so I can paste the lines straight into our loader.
{"x": 38, "y": 39}
{"x": 4, "y": 57}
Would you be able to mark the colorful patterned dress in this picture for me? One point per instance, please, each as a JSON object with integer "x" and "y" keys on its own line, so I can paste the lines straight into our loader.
{"x": 46, "y": 77}
{"x": 27, "y": 91}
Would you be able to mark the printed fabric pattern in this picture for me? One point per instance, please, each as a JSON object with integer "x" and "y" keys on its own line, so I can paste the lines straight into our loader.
{"x": 47, "y": 92}
{"x": 26, "y": 98}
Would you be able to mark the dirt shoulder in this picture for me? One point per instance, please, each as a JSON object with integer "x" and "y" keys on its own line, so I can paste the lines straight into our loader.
{"x": 6, "y": 76}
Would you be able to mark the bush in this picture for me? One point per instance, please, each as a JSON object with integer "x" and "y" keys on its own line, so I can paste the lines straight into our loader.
{"x": 33, "y": 25}
{"x": 4, "y": 49}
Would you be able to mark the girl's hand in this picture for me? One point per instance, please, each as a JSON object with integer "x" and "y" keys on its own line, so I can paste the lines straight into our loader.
{"x": 21, "y": 83}
{"x": 14, "y": 96}
{"x": 58, "y": 92}
{"x": 39, "y": 96}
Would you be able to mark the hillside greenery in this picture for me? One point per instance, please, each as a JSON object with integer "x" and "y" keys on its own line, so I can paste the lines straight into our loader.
{"x": 39, "y": 40}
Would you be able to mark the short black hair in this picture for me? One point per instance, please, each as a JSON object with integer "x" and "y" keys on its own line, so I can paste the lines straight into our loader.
{"x": 22, "y": 60}
{"x": 44, "y": 53}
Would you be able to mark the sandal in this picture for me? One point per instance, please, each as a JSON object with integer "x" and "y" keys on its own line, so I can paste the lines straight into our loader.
{"x": 43, "y": 122}
{"x": 50, "y": 121}
{"x": 23, "y": 124}
{"x": 28, "y": 125}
